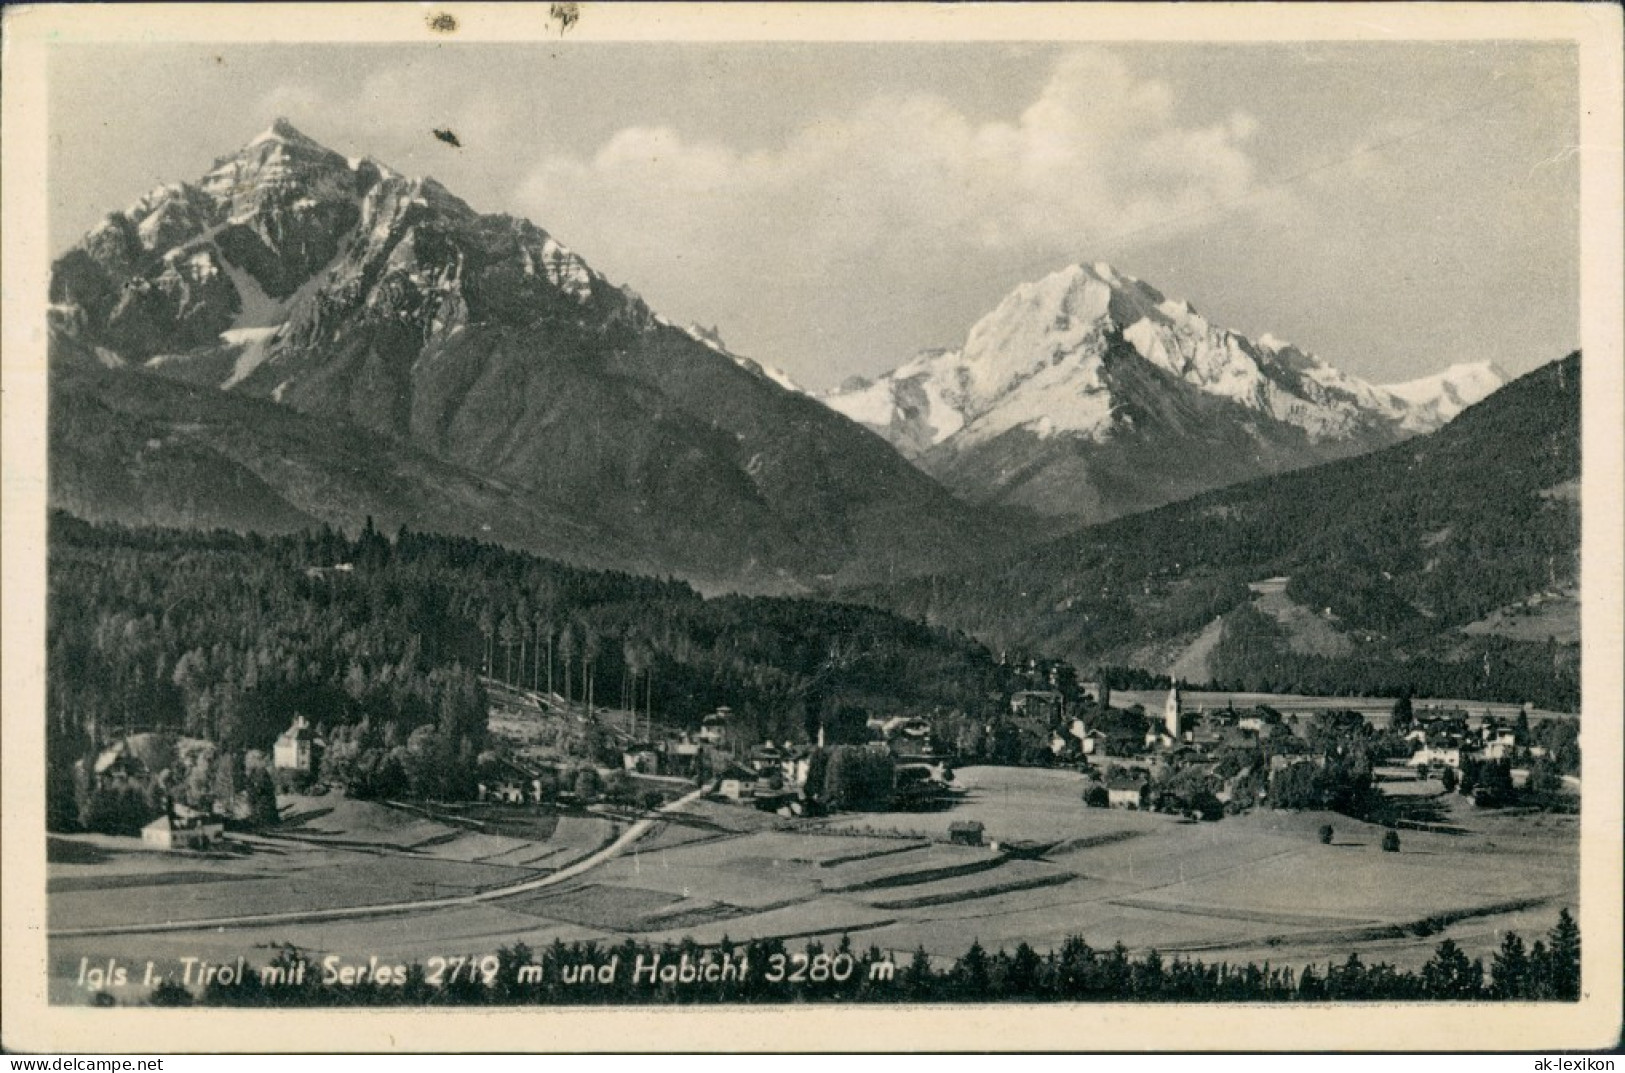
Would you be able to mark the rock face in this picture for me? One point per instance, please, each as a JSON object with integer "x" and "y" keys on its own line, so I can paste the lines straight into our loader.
{"x": 336, "y": 287}
{"x": 1089, "y": 393}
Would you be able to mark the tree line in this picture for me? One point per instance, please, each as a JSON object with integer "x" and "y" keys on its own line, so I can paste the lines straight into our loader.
{"x": 382, "y": 644}
{"x": 1546, "y": 970}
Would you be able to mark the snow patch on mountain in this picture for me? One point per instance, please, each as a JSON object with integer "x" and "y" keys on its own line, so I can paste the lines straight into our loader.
{"x": 712, "y": 338}
{"x": 256, "y": 348}
{"x": 773, "y": 373}
{"x": 871, "y": 404}
{"x": 244, "y": 336}
{"x": 259, "y": 310}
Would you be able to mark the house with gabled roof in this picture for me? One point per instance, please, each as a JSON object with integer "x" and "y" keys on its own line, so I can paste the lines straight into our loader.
{"x": 181, "y": 827}
{"x": 1127, "y": 791}
{"x": 295, "y": 748}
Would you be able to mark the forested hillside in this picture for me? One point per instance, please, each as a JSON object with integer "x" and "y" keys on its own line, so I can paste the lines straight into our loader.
{"x": 1397, "y": 551}
{"x": 224, "y": 638}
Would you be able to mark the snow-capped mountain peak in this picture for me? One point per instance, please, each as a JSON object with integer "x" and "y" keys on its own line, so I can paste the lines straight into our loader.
{"x": 1439, "y": 398}
{"x": 251, "y": 243}
{"x": 1036, "y": 363}
{"x": 711, "y": 337}
{"x": 250, "y": 246}
{"x": 1090, "y": 356}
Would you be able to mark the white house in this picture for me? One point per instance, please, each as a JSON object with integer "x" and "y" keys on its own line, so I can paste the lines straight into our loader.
{"x": 641, "y": 759}
{"x": 737, "y": 782}
{"x": 1126, "y": 792}
{"x": 794, "y": 770}
{"x": 1088, "y": 740}
{"x": 1437, "y": 755}
{"x": 295, "y": 747}
{"x": 1499, "y": 744}
{"x": 183, "y": 828}
{"x": 507, "y": 791}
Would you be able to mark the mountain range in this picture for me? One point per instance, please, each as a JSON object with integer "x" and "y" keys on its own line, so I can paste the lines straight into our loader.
{"x": 299, "y": 334}
{"x": 298, "y": 337}
{"x": 1089, "y": 394}
{"x": 1447, "y": 564}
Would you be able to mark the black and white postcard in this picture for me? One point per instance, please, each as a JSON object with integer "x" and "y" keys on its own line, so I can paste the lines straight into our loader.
{"x": 651, "y": 526}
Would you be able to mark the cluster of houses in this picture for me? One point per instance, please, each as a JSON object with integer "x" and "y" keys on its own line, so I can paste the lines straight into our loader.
{"x": 1125, "y": 766}
{"x": 1172, "y": 730}
{"x": 1053, "y": 691}
{"x": 769, "y": 774}
{"x": 1448, "y": 738}
{"x": 510, "y": 783}
{"x": 1128, "y": 766}
{"x": 1132, "y": 760}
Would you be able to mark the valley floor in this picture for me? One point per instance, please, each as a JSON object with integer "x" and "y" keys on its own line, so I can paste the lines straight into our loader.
{"x": 1257, "y": 887}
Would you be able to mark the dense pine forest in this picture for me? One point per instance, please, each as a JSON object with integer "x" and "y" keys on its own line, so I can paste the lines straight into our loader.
{"x": 380, "y": 643}
{"x": 1397, "y": 550}
{"x": 1546, "y": 970}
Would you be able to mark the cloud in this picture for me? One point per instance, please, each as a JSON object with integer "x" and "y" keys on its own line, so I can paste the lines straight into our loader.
{"x": 1099, "y": 151}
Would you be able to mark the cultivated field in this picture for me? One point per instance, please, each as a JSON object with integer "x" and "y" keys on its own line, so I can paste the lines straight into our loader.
{"x": 1253, "y": 887}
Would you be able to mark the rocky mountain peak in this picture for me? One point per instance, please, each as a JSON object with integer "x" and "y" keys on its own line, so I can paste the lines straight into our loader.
{"x": 296, "y": 280}
{"x": 1089, "y": 357}
{"x": 280, "y": 161}
{"x": 281, "y": 130}
{"x": 287, "y": 234}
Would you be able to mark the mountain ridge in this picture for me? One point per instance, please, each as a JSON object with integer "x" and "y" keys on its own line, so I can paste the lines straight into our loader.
{"x": 1415, "y": 555}
{"x": 336, "y": 287}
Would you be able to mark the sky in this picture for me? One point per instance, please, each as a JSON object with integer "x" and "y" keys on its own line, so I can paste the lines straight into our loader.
{"x": 834, "y": 208}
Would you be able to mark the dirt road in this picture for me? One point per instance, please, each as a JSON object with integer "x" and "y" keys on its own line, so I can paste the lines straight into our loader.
{"x": 299, "y": 916}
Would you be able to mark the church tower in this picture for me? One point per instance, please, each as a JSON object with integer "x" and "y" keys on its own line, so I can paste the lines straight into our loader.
{"x": 1170, "y": 714}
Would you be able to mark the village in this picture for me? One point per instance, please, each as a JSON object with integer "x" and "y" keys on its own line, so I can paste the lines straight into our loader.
{"x": 1190, "y": 760}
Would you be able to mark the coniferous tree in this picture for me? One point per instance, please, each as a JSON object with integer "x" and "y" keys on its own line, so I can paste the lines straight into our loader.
{"x": 1023, "y": 977}
{"x": 1563, "y": 952}
{"x": 972, "y": 975}
{"x": 1451, "y": 974}
{"x": 487, "y": 626}
{"x": 1510, "y": 970}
